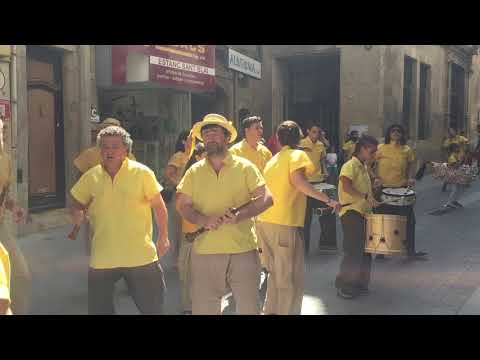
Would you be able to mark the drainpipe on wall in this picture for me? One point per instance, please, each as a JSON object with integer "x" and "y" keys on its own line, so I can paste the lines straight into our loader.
{"x": 13, "y": 96}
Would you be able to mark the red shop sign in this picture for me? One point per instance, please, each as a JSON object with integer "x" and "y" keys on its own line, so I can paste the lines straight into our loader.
{"x": 187, "y": 66}
{"x": 5, "y": 109}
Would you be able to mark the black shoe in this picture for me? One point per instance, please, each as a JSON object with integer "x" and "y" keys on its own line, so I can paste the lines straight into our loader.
{"x": 362, "y": 290}
{"x": 327, "y": 249}
{"x": 345, "y": 294}
{"x": 380, "y": 257}
{"x": 419, "y": 255}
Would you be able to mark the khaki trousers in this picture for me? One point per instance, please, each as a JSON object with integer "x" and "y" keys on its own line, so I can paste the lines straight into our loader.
{"x": 185, "y": 273}
{"x": 284, "y": 255}
{"x": 20, "y": 277}
{"x": 213, "y": 275}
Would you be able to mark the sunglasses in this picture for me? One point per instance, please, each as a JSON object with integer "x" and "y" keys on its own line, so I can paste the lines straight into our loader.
{"x": 397, "y": 131}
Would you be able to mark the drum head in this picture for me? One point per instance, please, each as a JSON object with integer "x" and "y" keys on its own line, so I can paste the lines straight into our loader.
{"x": 323, "y": 187}
{"x": 403, "y": 191}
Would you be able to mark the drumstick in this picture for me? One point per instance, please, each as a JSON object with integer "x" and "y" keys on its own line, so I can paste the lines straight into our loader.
{"x": 190, "y": 237}
{"x": 320, "y": 211}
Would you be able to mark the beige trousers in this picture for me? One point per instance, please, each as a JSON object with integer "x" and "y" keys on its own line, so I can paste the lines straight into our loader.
{"x": 185, "y": 273}
{"x": 213, "y": 275}
{"x": 20, "y": 277}
{"x": 283, "y": 249}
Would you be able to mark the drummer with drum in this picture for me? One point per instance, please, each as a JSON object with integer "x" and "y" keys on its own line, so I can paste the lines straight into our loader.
{"x": 313, "y": 145}
{"x": 394, "y": 175}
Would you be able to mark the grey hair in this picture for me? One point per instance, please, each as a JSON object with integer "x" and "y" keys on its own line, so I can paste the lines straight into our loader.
{"x": 116, "y": 131}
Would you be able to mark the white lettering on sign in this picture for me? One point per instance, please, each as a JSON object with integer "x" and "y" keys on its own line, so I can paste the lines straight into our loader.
{"x": 244, "y": 64}
{"x": 179, "y": 65}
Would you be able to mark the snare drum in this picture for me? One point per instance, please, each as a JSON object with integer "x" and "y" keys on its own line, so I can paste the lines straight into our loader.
{"x": 328, "y": 189}
{"x": 401, "y": 196}
{"x": 386, "y": 234}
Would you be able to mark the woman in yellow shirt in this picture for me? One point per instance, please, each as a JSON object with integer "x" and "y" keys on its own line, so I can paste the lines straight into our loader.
{"x": 394, "y": 168}
{"x": 355, "y": 188}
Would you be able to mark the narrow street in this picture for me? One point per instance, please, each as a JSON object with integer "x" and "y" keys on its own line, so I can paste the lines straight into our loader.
{"x": 446, "y": 284}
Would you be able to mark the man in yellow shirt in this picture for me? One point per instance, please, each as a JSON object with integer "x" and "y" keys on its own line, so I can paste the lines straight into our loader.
{"x": 21, "y": 277}
{"x": 5, "y": 301}
{"x": 226, "y": 255}
{"x": 280, "y": 226}
{"x": 454, "y": 138}
{"x": 92, "y": 157}
{"x": 455, "y": 160}
{"x": 315, "y": 150}
{"x": 355, "y": 188}
{"x": 120, "y": 194}
{"x": 250, "y": 148}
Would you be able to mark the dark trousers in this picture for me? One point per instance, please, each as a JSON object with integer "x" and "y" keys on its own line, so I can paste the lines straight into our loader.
{"x": 406, "y": 211}
{"x": 146, "y": 285}
{"x": 328, "y": 225}
{"x": 356, "y": 264}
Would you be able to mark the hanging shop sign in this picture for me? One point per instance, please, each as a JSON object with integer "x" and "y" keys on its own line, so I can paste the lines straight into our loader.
{"x": 5, "y": 110}
{"x": 191, "y": 67}
{"x": 244, "y": 64}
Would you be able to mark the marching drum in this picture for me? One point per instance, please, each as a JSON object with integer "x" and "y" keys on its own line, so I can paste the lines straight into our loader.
{"x": 398, "y": 196}
{"x": 328, "y": 189}
{"x": 386, "y": 234}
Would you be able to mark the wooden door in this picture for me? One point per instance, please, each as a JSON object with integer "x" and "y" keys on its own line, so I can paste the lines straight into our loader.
{"x": 45, "y": 130}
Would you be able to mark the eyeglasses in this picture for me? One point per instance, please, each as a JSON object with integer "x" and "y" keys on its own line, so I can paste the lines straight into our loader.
{"x": 396, "y": 130}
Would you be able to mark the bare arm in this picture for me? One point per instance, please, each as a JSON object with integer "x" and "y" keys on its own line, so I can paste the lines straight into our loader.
{"x": 161, "y": 217}
{"x": 298, "y": 179}
{"x": 77, "y": 212}
{"x": 255, "y": 208}
{"x": 184, "y": 205}
{"x": 4, "y": 307}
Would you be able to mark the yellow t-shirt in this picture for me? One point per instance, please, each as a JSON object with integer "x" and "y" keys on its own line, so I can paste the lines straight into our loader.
{"x": 259, "y": 156}
{"x": 214, "y": 194}
{"x": 460, "y": 140}
{"x": 288, "y": 203}
{"x": 316, "y": 154}
{"x": 120, "y": 214}
{"x": 91, "y": 157}
{"x": 455, "y": 159}
{"x": 4, "y": 274}
{"x": 358, "y": 173}
{"x": 178, "y": 160}
{"x": 392, "y": 164}
{"x": 349, "y": 148}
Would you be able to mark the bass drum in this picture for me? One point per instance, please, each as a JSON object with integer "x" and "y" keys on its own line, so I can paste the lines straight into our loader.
{"x": 386, "y": 234}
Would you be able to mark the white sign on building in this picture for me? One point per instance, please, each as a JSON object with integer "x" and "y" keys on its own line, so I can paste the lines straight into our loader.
{"x": 244, "y": 64}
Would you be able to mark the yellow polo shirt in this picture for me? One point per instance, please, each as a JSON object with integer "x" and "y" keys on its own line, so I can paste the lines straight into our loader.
{"x": 358, "y": 173}
{"x": 288, "y": 202}
{"x": 120, "y": 214}
{"x": 458, "y": 139}
{"x": 392, "y": 164}
{"x": 316, "y": 154}
{"x": 259, "y": 156}
{"x": 4, "y": 274}
{"x": 349, "y": 148}
{"x": 91, "y": 157}
{"x": 178, "y": 160}
{"x": 214, "y": 194}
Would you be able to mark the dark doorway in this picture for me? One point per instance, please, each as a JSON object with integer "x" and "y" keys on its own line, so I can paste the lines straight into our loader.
{"x": 314, "y": 93}
{"x": 201, "y": 105}
{"x": 46, "y": 137}
{"x": 457, "y": 97}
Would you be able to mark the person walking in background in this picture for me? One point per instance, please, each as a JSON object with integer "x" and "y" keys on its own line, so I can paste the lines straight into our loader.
{"x": 454, "y": 138}
{"x": 349, "y": 146}
{"x": 455, "y": 160}
{"x": 119, "y": 195}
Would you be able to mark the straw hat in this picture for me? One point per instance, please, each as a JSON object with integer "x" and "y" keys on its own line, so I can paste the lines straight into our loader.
{"x": 108, "y": 122}
{"x": 214, "y": 119}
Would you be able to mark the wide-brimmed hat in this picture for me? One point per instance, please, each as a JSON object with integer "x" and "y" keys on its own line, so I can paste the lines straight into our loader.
{"x": 109, "y": 122}
{"x": 214, "y": 119}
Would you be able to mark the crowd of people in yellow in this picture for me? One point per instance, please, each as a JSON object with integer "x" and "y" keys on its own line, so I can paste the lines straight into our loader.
{"x": 212, "y": 176}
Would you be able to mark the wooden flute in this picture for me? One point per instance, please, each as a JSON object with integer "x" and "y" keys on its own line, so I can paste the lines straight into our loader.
{"x": 190, "y": 237}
